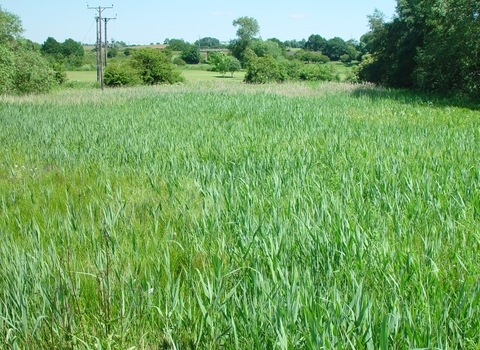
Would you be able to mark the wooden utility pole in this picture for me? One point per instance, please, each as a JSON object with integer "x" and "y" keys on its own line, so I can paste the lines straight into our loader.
{"x": 99, "y": 41}
{"x": 106, "y": 39}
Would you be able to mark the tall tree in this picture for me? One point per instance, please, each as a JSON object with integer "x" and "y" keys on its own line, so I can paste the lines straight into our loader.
{"x": 10, "y": 27}
{"x": 191, "y": 54}
{"x": 315, "y": 42}
{"x": 51, "y": 47}
{"x": 248, "y": 28}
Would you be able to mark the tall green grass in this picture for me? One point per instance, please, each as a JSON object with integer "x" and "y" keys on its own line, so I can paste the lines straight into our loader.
{"x": 222, "y": 216}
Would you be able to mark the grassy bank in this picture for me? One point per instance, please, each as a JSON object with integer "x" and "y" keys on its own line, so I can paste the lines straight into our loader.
{"x": 217, "y": 215}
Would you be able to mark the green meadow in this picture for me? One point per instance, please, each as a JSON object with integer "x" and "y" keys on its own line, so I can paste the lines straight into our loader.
{"x": 214, "y": 215}
{"x": 188, "y": 74}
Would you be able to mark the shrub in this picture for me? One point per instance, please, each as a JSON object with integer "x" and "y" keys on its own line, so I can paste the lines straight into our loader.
{"x": 31, "y": 72}
{"x": 219, "y": 61}
{"x": 121, "y": 75}
{"x": 317, "y": 72}
{"x": 319, "y": 58}
{"x": 264, "y": 70}
{"x": 234, "y": 65}
{"x": 345, "y": 58}
{"x": 112, "y": 52}
{"x": 155, "y": 67}
{"x": 60, "y": 74}
{"x": 22, "y": 68}
{"x": 179, "y": 62}
{"x": 292, "y": 68}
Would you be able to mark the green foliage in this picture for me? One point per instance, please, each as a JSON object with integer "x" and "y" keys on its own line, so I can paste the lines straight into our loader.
{"x": 450, "y": 57}
{"x": 155, "y": 67}
{"x": 315, "y": 42}
{"x": 177, "y": 44}
{"x": 280, "y": 45}
{"x": 295, "y": 44}
{"x": 51, "y": 47}
{"x": 179, "y": 62}
{"x": 209, "y": 42}
{"x": 317, "y": 72}
{"x": 112, "y": 52}
{"x": 128, "y": 51}
{"x": 431, "y": 45}
{"x": 7, "y": 69}
{"x": 219, "y": 61}
{"x": 248, "y": 28}
{"x": 345, "y": 58}
{"x": 267, "y": 48}
{"x": 72, "y": 48}
{"x": 335, "y": 48}
{"x": 121, "y": 74}
{"x": 60, "y": 74}
{"x": 10, "y": 27}
{"x": 293, "y": 68}
{"x": 191, "y": 54}
{"x": 309, "y": 56}
{"x": 234, "y": 65}
{"x": 263, "y": 70}
{"x": 22, "y": 68}
{"x": 69, "y": 53}
{"x": 249, "y": 56}
{"x": 32, "y": 72}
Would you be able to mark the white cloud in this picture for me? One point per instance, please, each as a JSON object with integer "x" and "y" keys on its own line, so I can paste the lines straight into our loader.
{"x": 299, "y": 16}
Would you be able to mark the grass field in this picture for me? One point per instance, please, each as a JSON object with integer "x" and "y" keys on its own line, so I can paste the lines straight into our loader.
{"x": 189, "y": 74}
{"x": 216, "y": 215}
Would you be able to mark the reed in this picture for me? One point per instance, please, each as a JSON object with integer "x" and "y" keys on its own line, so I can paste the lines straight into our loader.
{"x": 215, "y": 215}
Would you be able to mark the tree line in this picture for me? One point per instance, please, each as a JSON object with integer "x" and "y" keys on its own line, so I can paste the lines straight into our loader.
{"x": 430, "y": 45}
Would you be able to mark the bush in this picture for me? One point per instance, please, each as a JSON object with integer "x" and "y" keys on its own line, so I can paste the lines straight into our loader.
{"x": 128, "y": 51}
{"x": 219, "y": 61}
{"x": 22, "y": 68}
{"x": 155, "y": 67}
{"x": 234, "y": 65}
{"x": 60, "y": 74}
{"x": 24, "y": 71}
{"x": 112, "y": 52}
{"x": 317, "y": 72}
{"x": 179, "y": 62}
{"x": 264, "y": 70}
{"x": 292, "y": 68}
{"x": 345, "y": 58}
{"x": 319, "y": 58}
{"x": 121, "y": 75}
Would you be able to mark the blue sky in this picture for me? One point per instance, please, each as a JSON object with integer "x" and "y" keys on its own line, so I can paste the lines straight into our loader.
{"x": 144, "y": 22}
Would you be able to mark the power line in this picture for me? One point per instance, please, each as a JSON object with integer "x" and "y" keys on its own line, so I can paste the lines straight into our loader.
{"x": 99, "y": 10}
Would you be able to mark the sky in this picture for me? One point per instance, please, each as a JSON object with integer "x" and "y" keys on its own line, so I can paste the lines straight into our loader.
{"x": 143, "y": 22}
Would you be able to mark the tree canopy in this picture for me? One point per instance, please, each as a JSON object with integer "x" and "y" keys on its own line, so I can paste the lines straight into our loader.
{"x": 431, "y": 45}
{"x": 247, "y": 29}
{"x": 209, "y": 42}
{"x": 191, "y": 54}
